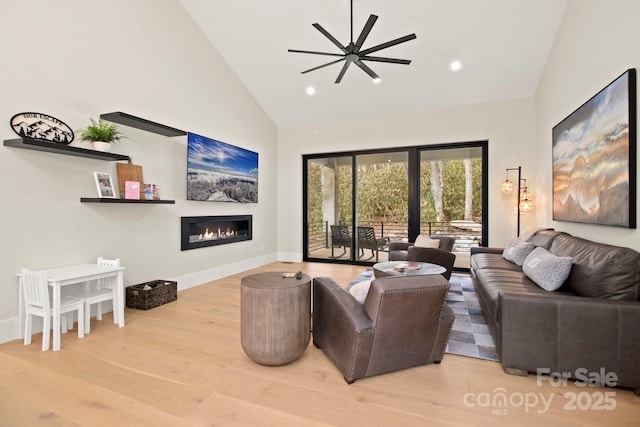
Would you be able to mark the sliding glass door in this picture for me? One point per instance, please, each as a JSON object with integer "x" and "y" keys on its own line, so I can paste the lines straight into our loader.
{"x": 451, "y": 197}
{"x": 356, "y": 203}
{"x": 382, "y": 197}
{"x": 328, "y": 207}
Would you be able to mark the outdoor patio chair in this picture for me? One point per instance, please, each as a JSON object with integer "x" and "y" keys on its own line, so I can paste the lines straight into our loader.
{"x": 340, "y": 237}
{"x": 367, "y": 240}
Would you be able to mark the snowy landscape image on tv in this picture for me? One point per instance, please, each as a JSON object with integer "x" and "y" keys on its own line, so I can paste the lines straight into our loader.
{"x": 220, "y": 172}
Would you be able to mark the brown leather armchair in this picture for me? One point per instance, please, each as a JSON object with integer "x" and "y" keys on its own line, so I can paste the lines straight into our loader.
{"x": 404, "y": 322}
{"x": 434, "y": 256}
{"x": 399, "y": 251}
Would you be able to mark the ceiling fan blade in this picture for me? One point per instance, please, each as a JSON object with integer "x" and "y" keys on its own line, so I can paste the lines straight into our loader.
{"x": 322, "y": 66}
{"x": 365, "y": 32}
{"x": 330, "y": 37}
{"x": 344, "y": 70}
{"x": 387, "y": 44}
{"x": 366, "y": 69}
{"x": 314, "y": 53}
{"x": 382, "y": 59}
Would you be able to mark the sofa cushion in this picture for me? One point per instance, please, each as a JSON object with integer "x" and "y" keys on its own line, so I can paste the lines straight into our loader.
{"x": 600, "y": 270}
{"x": 491, "y": 282}
{"x": 517, "y": 251}
{"x": 529, "y": 232}
{"x": 547, "y": 270}
{"x": 494, "y": 261}
{"x": 544, "y": 238}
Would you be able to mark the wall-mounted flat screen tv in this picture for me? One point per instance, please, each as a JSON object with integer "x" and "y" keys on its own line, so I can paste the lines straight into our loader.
{"x": 220, "y": 172}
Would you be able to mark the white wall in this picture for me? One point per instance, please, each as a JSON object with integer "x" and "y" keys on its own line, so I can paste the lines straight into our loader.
{"x": 58, "y": 59}
{"x": 596, "y": 42}
{"x": 507, "y": 125}
{"x": 74, "y": 59}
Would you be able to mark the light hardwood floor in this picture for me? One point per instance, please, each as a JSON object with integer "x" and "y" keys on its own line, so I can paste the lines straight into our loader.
{"x": 182, "y": 364}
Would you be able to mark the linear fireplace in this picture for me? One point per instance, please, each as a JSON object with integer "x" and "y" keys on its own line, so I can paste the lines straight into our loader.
{"x": 201, "y": 231}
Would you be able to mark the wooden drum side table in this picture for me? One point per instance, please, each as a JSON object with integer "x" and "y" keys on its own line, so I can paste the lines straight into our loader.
{"x": 275, "y": 319}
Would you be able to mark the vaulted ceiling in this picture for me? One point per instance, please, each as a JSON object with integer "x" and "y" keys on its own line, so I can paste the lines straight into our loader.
{"x": 502, "y": 46}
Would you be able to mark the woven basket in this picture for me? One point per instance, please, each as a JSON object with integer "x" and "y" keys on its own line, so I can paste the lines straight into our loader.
{"x": 161, "y": 292}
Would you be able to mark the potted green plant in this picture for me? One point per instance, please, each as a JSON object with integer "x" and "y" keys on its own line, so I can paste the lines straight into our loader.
{"x": 101, "y": 133}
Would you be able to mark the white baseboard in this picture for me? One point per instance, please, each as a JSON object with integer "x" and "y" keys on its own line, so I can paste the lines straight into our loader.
{"x": 9, "y": 327}
{"x": 201, "y": 277}
{"x": 290, "y": 256}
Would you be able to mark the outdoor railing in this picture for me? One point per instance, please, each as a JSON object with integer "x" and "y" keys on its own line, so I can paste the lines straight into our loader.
{"x": 466, "y": 233}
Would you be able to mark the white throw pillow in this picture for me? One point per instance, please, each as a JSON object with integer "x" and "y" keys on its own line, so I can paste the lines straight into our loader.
{"x": 547, "y": 270}
{"x": 517, "y": 251}
{"x": 360, "y": 290}
{"x": 426, "y": 242}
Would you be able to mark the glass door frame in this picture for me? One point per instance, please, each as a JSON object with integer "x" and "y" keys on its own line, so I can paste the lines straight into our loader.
{"x": 413, "y": 168}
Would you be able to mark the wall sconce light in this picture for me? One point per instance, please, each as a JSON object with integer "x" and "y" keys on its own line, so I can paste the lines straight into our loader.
{"x": 524, "y": 202}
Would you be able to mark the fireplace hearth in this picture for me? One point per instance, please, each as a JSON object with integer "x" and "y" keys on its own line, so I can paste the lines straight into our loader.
{"x": 203, "y": 231}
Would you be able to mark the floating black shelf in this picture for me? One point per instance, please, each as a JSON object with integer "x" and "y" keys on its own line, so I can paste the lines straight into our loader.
{"x": 52, "y": 147}
{"x": 140, "y": 123}
{"x": 107, "y": 200}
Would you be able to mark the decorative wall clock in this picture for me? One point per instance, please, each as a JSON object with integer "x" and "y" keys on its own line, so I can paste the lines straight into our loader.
{"x": 42, "y": 127}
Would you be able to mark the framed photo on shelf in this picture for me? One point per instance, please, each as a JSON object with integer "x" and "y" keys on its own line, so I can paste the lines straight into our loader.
{"x": 104, "y": 184}
{"x": 132, "y": 190}
{"x": 148, "y": 191}
{"x": 151, "y": 192}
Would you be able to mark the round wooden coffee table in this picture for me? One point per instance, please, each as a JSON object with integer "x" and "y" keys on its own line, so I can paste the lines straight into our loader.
{"x": 275, "y": 317}
{"x": 389, "y": 268}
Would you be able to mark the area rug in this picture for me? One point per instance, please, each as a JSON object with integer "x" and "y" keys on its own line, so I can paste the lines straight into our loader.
{"x": 470, "y": 334}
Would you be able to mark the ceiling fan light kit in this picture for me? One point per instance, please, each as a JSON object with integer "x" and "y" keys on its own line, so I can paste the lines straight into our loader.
{"x": 352, "y": 52}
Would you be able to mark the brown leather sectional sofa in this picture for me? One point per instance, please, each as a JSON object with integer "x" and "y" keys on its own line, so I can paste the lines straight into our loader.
{"x": 587, "y": 328}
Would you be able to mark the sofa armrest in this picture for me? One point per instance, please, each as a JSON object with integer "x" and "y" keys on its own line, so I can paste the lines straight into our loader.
{"x": 485, "y": 250}
{"x": 564, "y": 333}
{"x": 341, "y": 328}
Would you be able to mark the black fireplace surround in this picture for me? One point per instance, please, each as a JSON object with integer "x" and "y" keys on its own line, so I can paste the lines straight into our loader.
{"x": 202, "y": 231}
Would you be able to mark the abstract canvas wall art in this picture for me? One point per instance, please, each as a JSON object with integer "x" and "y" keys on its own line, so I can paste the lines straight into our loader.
{"x": 594, "y": 158}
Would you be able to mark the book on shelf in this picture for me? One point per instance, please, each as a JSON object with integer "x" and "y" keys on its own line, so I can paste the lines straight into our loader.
{"x": 132, "y": 190}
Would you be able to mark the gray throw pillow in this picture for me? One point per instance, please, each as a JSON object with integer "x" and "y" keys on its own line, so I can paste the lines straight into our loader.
{"x": 517, "y": 251}
{"x": 546, "y": 269}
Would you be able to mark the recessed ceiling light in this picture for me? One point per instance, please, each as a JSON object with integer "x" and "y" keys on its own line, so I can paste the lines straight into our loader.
{"x": 311, "y": 90}
{"x": 456, "y": 65}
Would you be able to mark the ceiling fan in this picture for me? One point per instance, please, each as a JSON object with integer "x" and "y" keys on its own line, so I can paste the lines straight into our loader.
{"x": 351, "y": 53}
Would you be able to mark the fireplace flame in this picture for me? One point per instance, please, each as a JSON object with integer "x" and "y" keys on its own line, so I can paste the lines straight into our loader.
{"x": 221, "y": 234}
